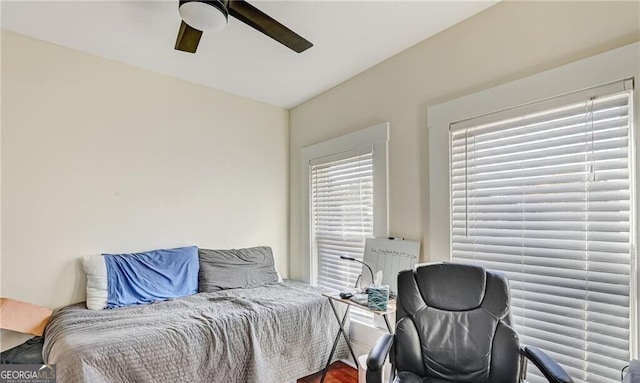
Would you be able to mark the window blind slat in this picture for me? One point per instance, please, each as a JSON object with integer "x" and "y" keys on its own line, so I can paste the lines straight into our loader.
{"x": 545, "y": 198}
{"x": 518, "y": 232}
{"x": 594, "y": 196}
{"x": 473, "y": 167}
{"x": 461, "y": 192}
{"x": 542, "y": 150}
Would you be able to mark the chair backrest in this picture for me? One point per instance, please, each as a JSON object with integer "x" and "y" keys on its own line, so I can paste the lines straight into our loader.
{"x": 453, "y": 323}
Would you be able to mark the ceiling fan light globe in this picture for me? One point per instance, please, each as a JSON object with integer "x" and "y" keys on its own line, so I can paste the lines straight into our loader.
{"x": 204, "y": 15}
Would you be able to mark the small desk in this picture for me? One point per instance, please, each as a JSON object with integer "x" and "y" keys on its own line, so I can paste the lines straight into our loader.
{"x": 391, "y": 308}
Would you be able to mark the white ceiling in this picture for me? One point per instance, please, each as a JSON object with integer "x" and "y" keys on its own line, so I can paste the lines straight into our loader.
{"x": 348, "y": 38}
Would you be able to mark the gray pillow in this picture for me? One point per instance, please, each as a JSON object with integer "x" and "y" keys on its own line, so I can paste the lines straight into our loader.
{"x": 235, "y": 269}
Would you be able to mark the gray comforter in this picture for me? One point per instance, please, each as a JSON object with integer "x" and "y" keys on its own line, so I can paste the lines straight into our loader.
{"x": 270, "y": 334}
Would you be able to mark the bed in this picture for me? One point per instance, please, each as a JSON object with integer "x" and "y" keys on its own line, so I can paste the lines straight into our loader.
{"x": 270, "y": 334}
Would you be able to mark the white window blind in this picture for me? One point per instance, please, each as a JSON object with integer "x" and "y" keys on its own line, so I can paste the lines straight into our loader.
{"x": 543, "y": 193}
{"x": 342, "y": 217}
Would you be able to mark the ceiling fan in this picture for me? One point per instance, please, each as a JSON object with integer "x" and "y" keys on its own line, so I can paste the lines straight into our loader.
{"x": 199, "y": 15}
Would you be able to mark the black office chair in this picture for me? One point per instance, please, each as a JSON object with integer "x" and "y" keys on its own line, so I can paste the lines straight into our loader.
{"x": 453, "y": 325}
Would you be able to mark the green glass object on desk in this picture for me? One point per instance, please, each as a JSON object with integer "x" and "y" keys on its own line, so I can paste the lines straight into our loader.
{"x": 378, "y": 297}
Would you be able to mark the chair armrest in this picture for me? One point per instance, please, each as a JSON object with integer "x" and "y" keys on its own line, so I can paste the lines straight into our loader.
{"x": 549, "y": 368}
{"x": 377, "y": 356}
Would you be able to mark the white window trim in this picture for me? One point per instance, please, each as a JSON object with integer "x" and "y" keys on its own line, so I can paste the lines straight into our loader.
{"x": 376, "y": 136}
{"x": 618, "y": 64}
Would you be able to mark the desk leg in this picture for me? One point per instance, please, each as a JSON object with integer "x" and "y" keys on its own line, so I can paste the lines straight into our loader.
{"x": 344, "y": 333}
{"x": 335, "y": 342}
{"x": 386, "y": 321}
{"x": 341, "y": 323}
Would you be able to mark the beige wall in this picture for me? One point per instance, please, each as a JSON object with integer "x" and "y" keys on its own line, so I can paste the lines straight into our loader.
{"x": 508, "y": 41}
{"x": 102, "y": 157}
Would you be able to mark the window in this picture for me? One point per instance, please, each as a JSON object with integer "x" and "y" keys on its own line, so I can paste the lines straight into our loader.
{"x": 345, "y": 186}
{"x": 342, "y": 215}
{"x": 544, "y": 193}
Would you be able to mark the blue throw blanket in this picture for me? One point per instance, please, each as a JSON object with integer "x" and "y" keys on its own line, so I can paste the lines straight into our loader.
{"x": 151, "y": 276}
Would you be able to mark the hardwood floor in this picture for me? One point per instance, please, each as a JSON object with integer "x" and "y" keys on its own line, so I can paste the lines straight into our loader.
{"x": 338, "y": 373}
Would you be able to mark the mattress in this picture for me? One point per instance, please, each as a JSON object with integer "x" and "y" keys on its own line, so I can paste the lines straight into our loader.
{"x": 270, "y": 334}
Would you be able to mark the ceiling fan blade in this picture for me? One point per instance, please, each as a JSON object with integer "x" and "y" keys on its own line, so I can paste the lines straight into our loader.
{"x": 259, "y": 20}
{"x": 188, "y": 38}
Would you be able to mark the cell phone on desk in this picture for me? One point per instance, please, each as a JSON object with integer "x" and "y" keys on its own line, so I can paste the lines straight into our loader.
{"x": 361, "y": 299}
